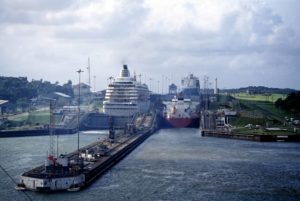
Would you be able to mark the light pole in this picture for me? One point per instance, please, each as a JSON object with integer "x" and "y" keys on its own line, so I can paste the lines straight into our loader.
{"x": 162, "y": 84}
{"x": 150, "y": 79}
{"x": 94, "y": 83}
{"x": 78, "y": 116}
{"x": 89, "y": 70}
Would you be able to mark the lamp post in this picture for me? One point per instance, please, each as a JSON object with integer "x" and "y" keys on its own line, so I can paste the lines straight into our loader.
{"x": 78, "y": 116}
{"x": 94, "y": 83}
{"x": 162, "y": 84}
{"x": 150, "y": 79}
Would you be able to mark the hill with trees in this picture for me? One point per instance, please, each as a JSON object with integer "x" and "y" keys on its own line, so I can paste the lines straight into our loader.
{"x": 19, "y": 91}
{"x": 259, "y": 90}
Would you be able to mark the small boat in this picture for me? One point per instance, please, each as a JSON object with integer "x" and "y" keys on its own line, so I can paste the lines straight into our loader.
{"x": 20, "y": 187}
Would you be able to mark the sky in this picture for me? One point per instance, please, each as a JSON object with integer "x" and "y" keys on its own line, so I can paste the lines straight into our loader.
{"x": 240, "y": 42}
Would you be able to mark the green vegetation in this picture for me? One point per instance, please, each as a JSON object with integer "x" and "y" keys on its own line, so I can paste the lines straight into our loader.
{"x": 260, "y": 131}
{"x": 257, "y": 112}
{"x": 290, "y": 104}
{"x": 39, "y": 117}
{"x": 259, "y": 97}
{"x": 22, "y": 117}
{"x": 258, "y": 90}
{"x": 242, "y": 121}
{"x": 19, "y": 91}
{"x": 29, "y": 120}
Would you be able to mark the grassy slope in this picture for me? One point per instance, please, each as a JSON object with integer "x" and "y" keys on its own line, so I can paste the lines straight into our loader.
{"x": 257, "y": 111}
{"x": 38, "y": 117}
{"x": 19, "y": 117}
{"x": 259, "y": 97}
{"x": 27, "y": 119}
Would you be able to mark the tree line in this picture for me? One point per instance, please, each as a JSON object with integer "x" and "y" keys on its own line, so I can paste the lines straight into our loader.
{"x": 259, "y": 90}
{"x": 19, "y": 91}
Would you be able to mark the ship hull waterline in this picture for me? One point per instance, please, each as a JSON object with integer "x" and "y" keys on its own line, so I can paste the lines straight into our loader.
{"x": 181, "y": 122}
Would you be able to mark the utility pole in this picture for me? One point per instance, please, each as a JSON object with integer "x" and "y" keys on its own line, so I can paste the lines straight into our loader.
{"x": 167, "y": 83}
{"x": 94, "y": 82}
{"x": 150, "y": 79}
{"x": 206, "y": 89}
{"x": 90, "y": 86}
{"x": 162, "y": 84}
{"x": 158, "y": 86}
{"x": 78, "y": 116}
{"x": 89, "y": 70}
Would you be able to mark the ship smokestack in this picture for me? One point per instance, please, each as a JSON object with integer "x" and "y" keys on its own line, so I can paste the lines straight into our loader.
{"x": 125, "y": 72}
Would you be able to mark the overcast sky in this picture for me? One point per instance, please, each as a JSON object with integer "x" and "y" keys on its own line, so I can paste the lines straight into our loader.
{"x": 241, "y": 42}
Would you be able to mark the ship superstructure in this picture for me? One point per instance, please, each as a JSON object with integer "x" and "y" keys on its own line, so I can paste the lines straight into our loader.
{"x": 190, "y": 86}
{"x": 125, "y": 96}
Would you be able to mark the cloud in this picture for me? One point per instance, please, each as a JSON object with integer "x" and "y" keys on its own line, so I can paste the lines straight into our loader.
{"x": 171, "y": 37}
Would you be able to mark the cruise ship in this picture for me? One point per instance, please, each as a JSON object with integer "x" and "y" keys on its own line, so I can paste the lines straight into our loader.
{"x": 125, "y": 96}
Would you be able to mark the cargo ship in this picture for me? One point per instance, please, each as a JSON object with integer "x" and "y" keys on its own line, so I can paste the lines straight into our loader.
{"x": 184, "y": 110}
{"x": 181, "y": 113}
{"x": 76, "y": 170}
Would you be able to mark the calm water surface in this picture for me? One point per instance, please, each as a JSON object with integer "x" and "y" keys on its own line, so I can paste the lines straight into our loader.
{"x": 173, "y": 164}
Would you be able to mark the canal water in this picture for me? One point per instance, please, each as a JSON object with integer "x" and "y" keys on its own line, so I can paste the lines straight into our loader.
{"x": 173, "y": 164}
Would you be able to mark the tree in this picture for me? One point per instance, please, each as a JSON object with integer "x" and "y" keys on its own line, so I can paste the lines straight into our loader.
{"x": 278, "y": 103}
{"x": 291, "y": 103}
{"x": 19, "y": 91}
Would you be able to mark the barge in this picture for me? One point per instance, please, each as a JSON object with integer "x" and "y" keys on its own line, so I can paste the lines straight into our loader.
{"x": 76, "y": 170}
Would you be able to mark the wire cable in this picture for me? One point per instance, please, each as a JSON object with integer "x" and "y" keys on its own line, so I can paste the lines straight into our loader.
{"x": 29, "y": 198}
